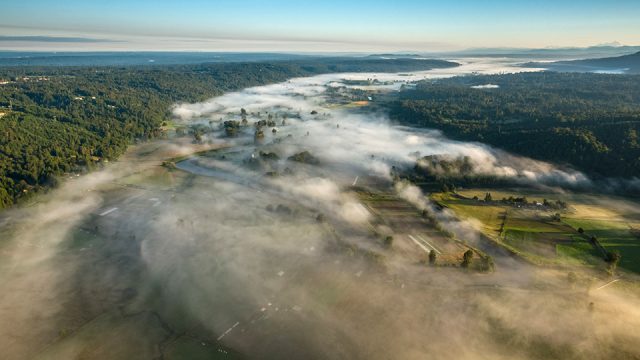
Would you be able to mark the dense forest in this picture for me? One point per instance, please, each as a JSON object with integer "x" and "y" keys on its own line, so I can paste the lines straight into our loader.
{"x": 588, "y": 121}
{"x": 629, "y": 64}
{"x": 58, "y": 120}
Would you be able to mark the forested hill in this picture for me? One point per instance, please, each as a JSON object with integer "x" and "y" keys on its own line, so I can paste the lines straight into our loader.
{"x": 629, "y": 64}
{"x": 60, "y": 119}
{"x": 589, "y": 121}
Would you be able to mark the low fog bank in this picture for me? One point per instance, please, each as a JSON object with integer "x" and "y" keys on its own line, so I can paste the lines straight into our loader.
{"x": 223, "y": 258}
{"x": 260, "y": 248}
{"x": 418, "y": 313}
{"x": 363, "y": 142}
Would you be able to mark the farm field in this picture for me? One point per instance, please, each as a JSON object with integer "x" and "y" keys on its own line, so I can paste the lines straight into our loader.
{"x": 539, "y": 235}
{"x": 414, "y": 235}
{"x": 615, "y": 229}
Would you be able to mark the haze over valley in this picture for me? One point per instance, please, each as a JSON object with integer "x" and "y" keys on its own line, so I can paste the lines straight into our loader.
{"x": 370, "y": 202}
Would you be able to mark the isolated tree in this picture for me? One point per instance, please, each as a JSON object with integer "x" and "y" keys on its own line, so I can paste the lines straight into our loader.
{"x": 432, "y": 257}
{"x": 581, "y": 230}
{"x": 231, "y": 131}
{"x": 613, "y": 258}
{"x": 51, "y": 180}
{"x": 466, "y": 258}
{"x": 487, "y": 264}
{"x": 388, "y": 241}
{"x": 488, "y": 197}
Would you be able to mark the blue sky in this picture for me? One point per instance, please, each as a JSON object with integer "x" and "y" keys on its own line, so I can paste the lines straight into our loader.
{"x": 320, "y": 25}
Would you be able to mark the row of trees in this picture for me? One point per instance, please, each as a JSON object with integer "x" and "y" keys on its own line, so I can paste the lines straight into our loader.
{"x": 486, "y": 262}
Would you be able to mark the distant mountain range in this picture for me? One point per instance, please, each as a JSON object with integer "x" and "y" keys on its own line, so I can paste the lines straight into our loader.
{"x": 117, "y": 58}
{"x": 626, "y": 64}
{"x": 129, "y": 58}
{"x": 566, "y": 53}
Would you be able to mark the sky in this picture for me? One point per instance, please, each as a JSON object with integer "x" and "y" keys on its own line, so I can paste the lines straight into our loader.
{"x": 316, "y": 26}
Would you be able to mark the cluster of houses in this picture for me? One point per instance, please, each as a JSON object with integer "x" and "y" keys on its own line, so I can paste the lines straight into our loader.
{"x": 25, "y": 79}
{"x": 81, "y": 98}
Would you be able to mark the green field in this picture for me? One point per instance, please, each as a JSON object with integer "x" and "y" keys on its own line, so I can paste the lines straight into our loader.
{"x": 498, "y": 194}
{"x": 579, "y": 252}
{"x": 614, "y": 236}
{"x": 535, "y": 235}
{"x": 490, "y": 217}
